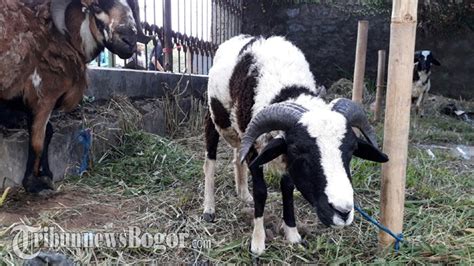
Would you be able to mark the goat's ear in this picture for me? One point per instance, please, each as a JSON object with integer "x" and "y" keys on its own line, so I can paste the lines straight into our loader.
{"x": 274, "y": 148}
{"x": 417, "y": 56}
{"x": 435, "y": 62}
{"x": 367, "y": 151}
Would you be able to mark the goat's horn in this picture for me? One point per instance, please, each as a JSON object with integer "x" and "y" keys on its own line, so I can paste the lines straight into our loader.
{"x": 136, "y": 15}
{"x": 356, "y": 117}
{"x": 278, "y": 116}
{"x": 58, "y": 14}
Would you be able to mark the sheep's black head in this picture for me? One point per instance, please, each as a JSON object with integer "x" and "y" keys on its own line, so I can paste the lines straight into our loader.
{"x": 318, "y": 146}
{"x": 114, "y": 24}
{"x": 424, "y": 59}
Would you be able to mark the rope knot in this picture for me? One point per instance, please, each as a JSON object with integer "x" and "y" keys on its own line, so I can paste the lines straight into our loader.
{"x": 398, "y": 237}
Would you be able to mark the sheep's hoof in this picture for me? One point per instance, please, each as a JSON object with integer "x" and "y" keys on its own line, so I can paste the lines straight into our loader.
{"x": 291, "y": 234}
{"x": 246, "y": 197}
{"x": 36, "y": 185}
{"x": 209, "y": 217}
{"x": 257, "y": 246}
{"x": 255, "y": 258}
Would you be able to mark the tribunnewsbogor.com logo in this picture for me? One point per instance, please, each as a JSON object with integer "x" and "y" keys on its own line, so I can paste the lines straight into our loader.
{"x": 28, "y": 241}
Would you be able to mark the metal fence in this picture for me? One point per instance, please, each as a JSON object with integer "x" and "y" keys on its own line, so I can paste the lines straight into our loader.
{"x": 186, "y": 34}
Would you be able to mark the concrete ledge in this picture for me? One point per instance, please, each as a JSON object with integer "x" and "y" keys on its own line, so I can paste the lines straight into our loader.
{"x": 107, "y": 82}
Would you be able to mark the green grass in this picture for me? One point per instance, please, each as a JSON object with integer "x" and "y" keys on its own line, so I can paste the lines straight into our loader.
{"x": 441, "y": 129}
{"x": 142, "y": 164}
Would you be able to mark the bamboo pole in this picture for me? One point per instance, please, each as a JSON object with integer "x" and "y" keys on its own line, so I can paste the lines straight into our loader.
{"x": 380, "y": 85}
{"x": 397, "y": 116}
{"x": 359, "y": 66}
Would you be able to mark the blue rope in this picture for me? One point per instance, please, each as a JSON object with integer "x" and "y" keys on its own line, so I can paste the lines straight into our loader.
{"x": 398, "y": 238}
{"x": 85, "y": 138}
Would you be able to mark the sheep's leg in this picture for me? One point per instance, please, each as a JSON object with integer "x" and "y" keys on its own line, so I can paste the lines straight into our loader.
{"x": 44, "y": 161}
{"x": 289, "y": 224}
{"x": 209, "y": 167}
{"x": 241, "y": 184}
{"x": 45, "y": 170}
{"x": 34, "y": 181}
{"x": 257, "y": 245}
{"x": 418, "y": 104}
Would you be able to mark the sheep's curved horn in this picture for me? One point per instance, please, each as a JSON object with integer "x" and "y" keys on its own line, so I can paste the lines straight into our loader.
{"x": 356, "y": 117}
{"x": 136, "y": 15}
{"x": 278, "y": 116}
{"x": 58, "y": 14}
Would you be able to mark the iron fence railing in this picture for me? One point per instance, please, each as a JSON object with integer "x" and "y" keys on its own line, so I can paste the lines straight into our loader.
{"x": 186, "y": 34}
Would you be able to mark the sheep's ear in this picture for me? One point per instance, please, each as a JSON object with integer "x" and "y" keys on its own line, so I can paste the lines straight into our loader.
{"x": 274, "y": 148}
{"x": 367, "y": 151}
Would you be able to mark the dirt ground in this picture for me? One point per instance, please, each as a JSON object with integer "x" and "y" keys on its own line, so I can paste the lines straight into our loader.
{"x": 78, "y": 207}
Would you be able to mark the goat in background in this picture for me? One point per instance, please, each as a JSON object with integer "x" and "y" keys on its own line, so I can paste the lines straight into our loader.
{"x": 421, "y": 78}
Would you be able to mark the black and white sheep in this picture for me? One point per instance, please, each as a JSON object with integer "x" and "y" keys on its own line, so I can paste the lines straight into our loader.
{"x": 257, "y": 86}
{"x": 421, "y": 77}
{"x": 44, "y": 48}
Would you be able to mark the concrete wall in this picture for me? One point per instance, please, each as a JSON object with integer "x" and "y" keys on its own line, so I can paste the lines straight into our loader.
{"x": 327, "y": 35}
{"x": 104, "y": 83}
{"x": 455, "y": 77}
{"x": 65, "y": 151}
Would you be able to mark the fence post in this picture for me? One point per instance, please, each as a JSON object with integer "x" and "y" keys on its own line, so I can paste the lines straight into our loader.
{"x": 359, "y": 66}
{"x": 190, "y": 61}
{"x": 380, "y": 85}
{"x": 397, "y": 116}
{"x": 168, "y": 45}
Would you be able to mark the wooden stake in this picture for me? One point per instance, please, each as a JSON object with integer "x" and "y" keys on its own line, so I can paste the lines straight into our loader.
{"x": 359, "y": 66}
{"x": 397, "y": 116}
{"x": 380, "y": 85}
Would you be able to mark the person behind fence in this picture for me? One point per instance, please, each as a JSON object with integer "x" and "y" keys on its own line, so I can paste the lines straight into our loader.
{"x": 156, "y": 56}
{"x": 101, "y": 60}
{"x": 138, "y": 60}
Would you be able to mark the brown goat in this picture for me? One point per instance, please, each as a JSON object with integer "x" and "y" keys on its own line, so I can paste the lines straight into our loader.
{"x": 44, "y": 48}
